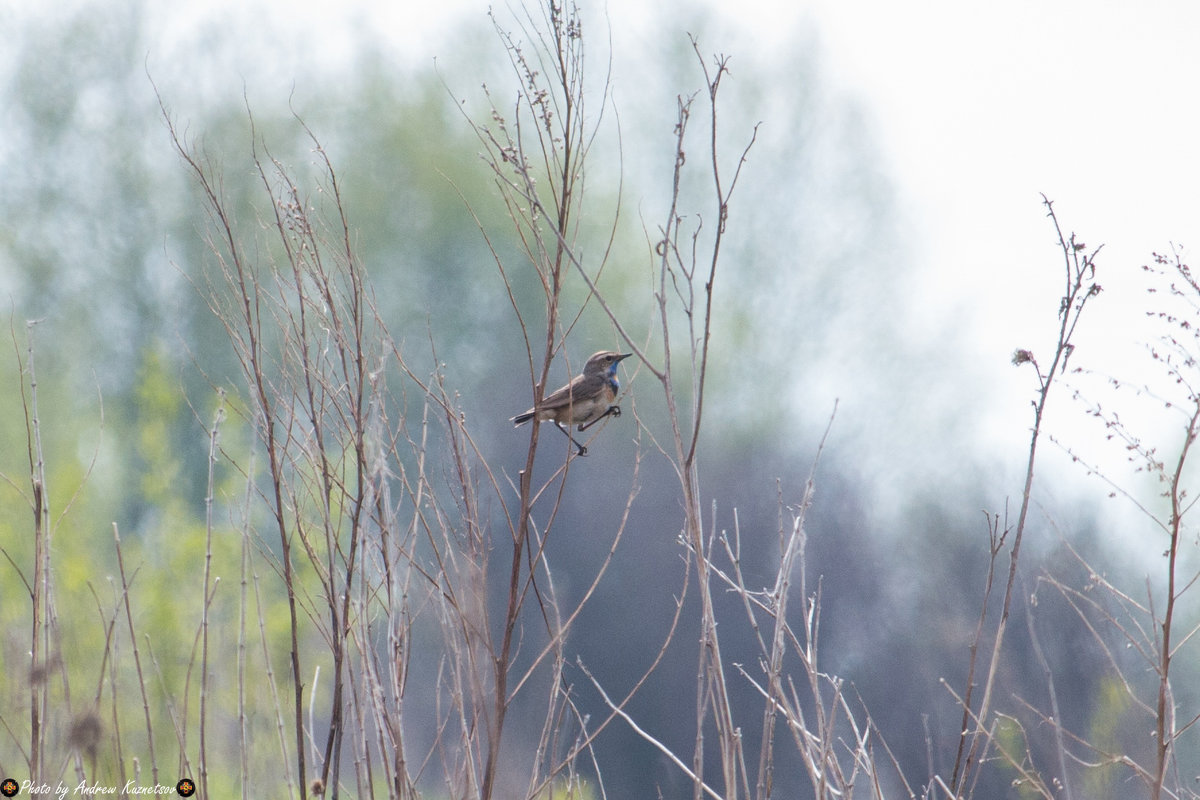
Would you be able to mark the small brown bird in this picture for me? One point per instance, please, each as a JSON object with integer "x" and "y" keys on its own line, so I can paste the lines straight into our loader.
{"x": 584, "y": 401}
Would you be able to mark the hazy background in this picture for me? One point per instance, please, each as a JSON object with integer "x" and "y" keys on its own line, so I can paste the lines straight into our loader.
{"x": 888, "y": 251}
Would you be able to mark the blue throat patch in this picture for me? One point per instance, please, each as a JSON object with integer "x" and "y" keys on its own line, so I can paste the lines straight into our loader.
{"x": 612, "y": 378}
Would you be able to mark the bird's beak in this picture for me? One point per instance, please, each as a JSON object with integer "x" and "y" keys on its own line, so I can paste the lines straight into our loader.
{"x": 623, "y": 356}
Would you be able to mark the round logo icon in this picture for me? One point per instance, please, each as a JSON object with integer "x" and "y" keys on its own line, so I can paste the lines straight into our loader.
{"x": 9, "y": 787}
{"x": 185, "y": 787}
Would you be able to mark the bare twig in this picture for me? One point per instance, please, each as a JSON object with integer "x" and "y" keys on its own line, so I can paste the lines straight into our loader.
{"x": 1079, "y": 287}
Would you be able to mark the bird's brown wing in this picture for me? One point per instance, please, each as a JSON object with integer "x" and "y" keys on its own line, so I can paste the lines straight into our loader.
{"x": 561, "y": 397}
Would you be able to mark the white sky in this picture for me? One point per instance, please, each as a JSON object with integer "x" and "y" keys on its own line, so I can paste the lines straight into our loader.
{"x": 982, "y": 106}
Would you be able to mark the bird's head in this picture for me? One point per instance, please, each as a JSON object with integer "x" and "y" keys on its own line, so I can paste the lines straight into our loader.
{"x": 604, "y": 363}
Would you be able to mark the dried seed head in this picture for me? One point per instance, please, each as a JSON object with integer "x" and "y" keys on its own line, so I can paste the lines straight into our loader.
{"x": 1020, "y": 356}
{"x": 85, "y": 732}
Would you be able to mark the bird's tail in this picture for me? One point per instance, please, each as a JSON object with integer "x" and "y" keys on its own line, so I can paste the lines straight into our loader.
{"x": 521, "y": 419}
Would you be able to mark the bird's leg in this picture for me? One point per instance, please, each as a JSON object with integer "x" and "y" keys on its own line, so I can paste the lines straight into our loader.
{"x": 567, "y": 433}
{"x": 614, "y": 411}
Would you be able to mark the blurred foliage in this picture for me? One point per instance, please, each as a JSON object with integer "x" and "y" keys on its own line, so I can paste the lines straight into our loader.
{"x": 1104, "y": 730}
{"x": 102, "y": 241}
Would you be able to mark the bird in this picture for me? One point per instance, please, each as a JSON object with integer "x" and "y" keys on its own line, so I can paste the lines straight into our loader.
{"x": 586, "y": 400}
